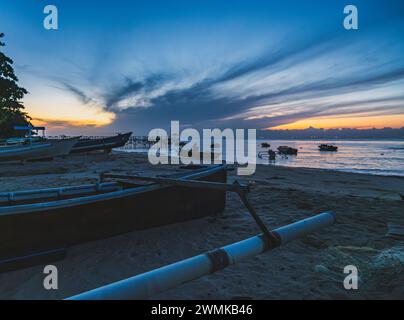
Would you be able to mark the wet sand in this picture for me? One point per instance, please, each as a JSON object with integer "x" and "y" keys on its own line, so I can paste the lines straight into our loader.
{"x": 310, "y": 268}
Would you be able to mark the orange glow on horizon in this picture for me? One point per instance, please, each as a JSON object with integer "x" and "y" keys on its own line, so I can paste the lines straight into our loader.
{"x": 63, "y": 112}
{"x": 366, "y": 122}
{"x": 68, "y": 123}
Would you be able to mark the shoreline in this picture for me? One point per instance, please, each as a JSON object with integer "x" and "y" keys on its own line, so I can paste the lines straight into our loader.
{"x": 335, "y": 171}
{"x": 358, "y": 171}
{"x": 143, "y": 156}
{"x": 75, "y": 169}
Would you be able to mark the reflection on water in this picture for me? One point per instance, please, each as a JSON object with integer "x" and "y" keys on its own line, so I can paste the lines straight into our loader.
{"x": 363, "y": 156}
{"x": 375, "y": 157}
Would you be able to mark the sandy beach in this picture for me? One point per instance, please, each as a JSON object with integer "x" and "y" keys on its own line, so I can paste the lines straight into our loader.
{"x": 310, "y": 268}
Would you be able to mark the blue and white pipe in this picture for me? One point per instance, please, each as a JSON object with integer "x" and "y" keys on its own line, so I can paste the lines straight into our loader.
{"x": 149, "y": 284}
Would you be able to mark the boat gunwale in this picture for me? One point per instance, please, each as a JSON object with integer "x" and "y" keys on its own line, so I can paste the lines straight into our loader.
{"x": 101, "y": 142}
{"x": 106, "y": 144}
{"x": 19, "y": 148}
{"x": 65, "y": 203}
{"x": 56, "y": 189}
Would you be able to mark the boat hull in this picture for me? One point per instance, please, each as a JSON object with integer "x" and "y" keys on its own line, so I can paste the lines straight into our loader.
{"x": 89, "y": 145}
{"x": 60, "y": 148}
{"x": 25, "y": 152}
{"x": 27, "y": 229}
{"x": 328, "y": 148}
{"x": 37, "y": 150}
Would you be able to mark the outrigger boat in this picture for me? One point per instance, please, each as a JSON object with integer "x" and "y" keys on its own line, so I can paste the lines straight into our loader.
{"x": 37, "y": 150}
{"x": 153, "y": 282}
{"x": 54, "y": 219}
{"x": 28, "y": 150}
{"x": 106, "y": 144}
{"x": 285, "y": 150}
{"x": 39, "y": 225}
{"x": 327, "y": 147}
{"x": 34, "y": 147}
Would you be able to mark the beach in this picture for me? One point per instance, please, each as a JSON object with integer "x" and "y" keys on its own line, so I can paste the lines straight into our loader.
{"x": 310, "y": 268}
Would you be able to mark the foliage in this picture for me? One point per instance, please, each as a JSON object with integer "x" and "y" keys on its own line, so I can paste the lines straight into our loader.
{"x": 11, "y": 108}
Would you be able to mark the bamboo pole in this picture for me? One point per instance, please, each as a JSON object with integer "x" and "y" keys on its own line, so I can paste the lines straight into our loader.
{"x": 231, "y": 187}
{"x": 148, "y": 284}
{"x": 236, "y": 187}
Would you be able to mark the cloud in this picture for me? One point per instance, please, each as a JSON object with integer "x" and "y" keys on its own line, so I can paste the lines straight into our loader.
{"x": 199, "y": 106}
{"x": 57, "y": 124}
{"x": 83, "y": 97}
{"x": 316, "y": 76}
{"x": 131, "y": 87}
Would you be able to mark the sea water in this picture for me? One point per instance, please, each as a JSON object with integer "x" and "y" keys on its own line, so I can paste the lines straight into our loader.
{"x": 381, "y": 157}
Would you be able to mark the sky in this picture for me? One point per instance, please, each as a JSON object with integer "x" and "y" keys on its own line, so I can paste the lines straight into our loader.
{"x": 117, "y": 66}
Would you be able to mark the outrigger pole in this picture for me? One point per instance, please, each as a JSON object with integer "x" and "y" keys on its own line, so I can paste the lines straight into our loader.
{"x": 148, "y": 284}
{"x": 241, "y": 189}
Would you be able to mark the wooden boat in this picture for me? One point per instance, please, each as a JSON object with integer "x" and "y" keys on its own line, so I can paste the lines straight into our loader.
{"x": 106, "y": 144}
{"x": 327, "y": 147}
{"x": 29, "y": 150}
{"x": 12, "y": 141}
{"x": 287, "y": 150}
{"x": 39, "y": 221}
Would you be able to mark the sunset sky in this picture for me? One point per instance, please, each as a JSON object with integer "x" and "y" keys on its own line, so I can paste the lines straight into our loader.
{"x": 117, "y": 66}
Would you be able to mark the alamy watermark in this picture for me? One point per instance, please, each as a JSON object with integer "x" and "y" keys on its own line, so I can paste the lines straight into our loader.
{"x": 214, "y": 145}
{"x": 50, "y": 282}
{"x": 351, "y": 280}
{"x": 351, "y": 21}
{"x": 51, "y": 20}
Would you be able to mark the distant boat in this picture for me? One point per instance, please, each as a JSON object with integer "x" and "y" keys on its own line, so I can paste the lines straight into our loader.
{"x": 106, "y": 144}
{"x": 265, "y": 145}
{"x": 287, "y": 150}
{"x": 28, "y": 150}
{"x": 270, "y": 155}
{"x": 327, "y": 147}
{"x": 38, "y": 221}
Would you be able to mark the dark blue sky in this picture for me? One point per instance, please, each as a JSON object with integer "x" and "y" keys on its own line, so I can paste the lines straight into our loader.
{"x": 136, "y": 65}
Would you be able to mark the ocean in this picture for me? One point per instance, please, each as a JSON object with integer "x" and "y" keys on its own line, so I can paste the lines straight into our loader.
{"x": 379, "y": 157}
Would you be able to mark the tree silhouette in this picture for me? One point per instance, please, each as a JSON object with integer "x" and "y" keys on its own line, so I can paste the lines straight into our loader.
{"x": 11, "y": 107}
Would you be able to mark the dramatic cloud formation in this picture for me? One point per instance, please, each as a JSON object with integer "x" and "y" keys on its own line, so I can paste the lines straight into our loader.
{"x": 249, "y": 66}
{"x": 268, "y": 91}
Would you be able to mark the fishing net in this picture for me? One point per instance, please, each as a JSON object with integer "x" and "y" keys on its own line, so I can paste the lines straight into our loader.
{"x": 376, "y": 268}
